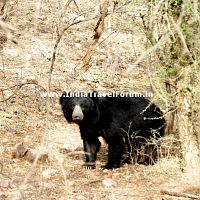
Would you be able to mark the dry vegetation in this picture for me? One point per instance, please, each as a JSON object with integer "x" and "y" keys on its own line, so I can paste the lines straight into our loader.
{"x": 27, "y": 42}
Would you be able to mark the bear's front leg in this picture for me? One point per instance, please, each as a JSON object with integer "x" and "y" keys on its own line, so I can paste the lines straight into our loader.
{"x": 115, "y": 152}
{"x": 91, "y": 147}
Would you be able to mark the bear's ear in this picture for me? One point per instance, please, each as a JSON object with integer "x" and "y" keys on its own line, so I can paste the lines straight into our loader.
{"x": 64, "y": 96}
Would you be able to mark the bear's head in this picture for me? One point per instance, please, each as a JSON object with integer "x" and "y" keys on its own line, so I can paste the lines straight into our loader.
{"x": 80, "y": 108}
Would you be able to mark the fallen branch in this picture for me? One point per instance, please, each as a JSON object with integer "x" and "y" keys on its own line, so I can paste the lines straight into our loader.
{"x": 180, "y": 194}
{"x": 93, "y": 182}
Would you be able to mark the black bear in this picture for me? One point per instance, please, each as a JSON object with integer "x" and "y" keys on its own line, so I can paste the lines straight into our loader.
{"x": 127, "y": 124}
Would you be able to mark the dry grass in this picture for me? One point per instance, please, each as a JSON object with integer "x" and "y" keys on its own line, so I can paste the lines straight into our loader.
{"x": 24, "y": 118}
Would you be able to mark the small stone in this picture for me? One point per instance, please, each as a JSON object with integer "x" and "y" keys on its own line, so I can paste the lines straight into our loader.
{"x": 108, "y": 182}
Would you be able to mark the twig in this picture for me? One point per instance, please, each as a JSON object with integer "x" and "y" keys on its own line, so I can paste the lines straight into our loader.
{"x": 76, "y": 6}
{"x": 182, "y": 39}
{"x": 149, "y": 51}
{"x": 195, "y": 10}
{"x": 60, "y": 31}
{"x": 4, "y": 10}
{"x": 2, "y": 173}
{"x": 180, "y": 194}
{"x": 8, "y": 30}
{"x": 28, "y": 82}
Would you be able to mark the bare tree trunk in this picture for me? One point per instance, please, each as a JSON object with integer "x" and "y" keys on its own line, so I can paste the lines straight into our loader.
{"x": 170, "y": 129}
{"x": 189, "y": 137}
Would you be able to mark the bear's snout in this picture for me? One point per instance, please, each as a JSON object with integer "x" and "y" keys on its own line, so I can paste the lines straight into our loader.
{"x": 77, "y": 114}
{"x": 76, "y": 118}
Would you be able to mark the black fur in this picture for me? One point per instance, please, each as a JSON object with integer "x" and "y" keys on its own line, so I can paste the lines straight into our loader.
{"x": 127, "y": 124}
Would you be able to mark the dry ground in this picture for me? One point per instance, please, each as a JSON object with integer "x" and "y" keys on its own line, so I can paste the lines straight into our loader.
{"x": 61, "y": 176}
{"x": 26, "y": 118}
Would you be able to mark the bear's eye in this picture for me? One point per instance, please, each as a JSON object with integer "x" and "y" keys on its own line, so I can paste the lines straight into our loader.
{"x": 70, "y": 109}
{"x": 84, "y": 107}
